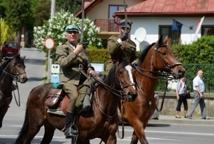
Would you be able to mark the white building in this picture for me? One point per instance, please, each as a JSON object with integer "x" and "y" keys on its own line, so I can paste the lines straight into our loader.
{"x": 155, "y": 17}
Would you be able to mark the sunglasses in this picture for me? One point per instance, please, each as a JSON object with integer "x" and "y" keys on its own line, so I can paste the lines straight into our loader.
{"x": 125, "y": 28}
{"x": 72, "y": 32}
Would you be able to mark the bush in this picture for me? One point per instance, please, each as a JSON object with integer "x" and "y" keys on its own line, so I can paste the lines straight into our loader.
{"x": 199, "y": 52}
{"x": 54, "y": 28}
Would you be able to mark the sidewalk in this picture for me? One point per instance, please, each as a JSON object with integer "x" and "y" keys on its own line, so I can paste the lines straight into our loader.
{"x": 172, "y": 119}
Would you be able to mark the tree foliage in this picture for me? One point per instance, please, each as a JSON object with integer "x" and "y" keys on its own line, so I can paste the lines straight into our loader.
{"x": 41, "y": 11}
{"x": 199, "y": 52}
{"x": 19, "y": 13}
{"x": 6, "y": 32}
{"x": 54, "y": 28}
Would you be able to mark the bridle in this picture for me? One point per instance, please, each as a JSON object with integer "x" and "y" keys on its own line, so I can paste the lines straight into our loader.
{"x": 168, "y": 66}
{"x": 157, "y": 74}
{"x": 14, "y": 76}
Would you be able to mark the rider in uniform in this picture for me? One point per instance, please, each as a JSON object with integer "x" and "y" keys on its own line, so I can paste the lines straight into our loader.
{"x": 121, "y": 48}
{"x": 72, "y": 59}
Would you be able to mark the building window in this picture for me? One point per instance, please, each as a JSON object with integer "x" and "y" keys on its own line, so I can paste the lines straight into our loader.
{"x": 207, "y": 30}
{"x": 166, "y": 30}
{"x": 114, "y": 8}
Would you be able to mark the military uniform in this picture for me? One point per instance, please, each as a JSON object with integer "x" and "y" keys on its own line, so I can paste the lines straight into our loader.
{"x": 120, "y": 51}
{"x": 121, "y": 48}
{"x": 70, "y": 75}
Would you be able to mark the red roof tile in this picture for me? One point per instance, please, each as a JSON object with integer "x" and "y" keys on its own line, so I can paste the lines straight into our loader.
{"x": 171, "y": 7}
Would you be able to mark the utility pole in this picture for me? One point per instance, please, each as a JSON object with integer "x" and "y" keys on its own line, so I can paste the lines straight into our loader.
{"x": 52, "y": 12}
{"x": 53, "y": 4}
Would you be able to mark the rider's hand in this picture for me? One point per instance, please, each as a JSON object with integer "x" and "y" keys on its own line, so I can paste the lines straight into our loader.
{"x": 124, "y": 36}
{"x": 91, "y": 72}
{"x": 78, "y": 49}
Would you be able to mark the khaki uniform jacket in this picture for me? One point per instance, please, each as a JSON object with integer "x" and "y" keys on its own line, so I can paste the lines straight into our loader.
{"x": 126, "y": 50}
{"x": 70, "y": 63}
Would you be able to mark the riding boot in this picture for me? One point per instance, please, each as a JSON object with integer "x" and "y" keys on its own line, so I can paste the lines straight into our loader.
{"x": 70, "y": 129}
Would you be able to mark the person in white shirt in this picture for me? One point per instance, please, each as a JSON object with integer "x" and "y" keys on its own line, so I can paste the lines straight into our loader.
{"x": 198, "y": 88}
{"x": 181, "y": 94}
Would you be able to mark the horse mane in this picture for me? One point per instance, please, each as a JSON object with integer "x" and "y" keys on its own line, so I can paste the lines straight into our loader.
{"x": 144, "y": 52}
{"x": 112, "y": 76}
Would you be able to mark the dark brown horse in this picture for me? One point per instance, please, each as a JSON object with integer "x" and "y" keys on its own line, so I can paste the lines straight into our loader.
{"x": 157, "y": 57}
{"x": 101, "y": 122}
{"x": 12, "y": 69}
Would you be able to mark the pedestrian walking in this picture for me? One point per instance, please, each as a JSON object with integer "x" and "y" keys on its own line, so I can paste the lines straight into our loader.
{"x": 198, "y": 88}
{"x": 181, "y": 94}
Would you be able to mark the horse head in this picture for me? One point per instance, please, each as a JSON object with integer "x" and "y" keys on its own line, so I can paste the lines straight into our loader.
{"x": 122, "y": 73}
{"x": 16, "y": 69}
{"x": 160, "y": 57}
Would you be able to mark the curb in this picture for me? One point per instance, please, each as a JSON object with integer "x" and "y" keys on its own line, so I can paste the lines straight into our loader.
{"x": 171, "y": 119}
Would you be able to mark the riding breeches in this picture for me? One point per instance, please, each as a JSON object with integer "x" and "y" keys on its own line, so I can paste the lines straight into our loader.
{"x": 71, "y": 90}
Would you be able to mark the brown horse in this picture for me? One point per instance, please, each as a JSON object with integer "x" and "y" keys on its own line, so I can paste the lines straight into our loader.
{"x": 12, "y": 69}
{"x": 101, "y": 122}
{"x": 157, "y": 57}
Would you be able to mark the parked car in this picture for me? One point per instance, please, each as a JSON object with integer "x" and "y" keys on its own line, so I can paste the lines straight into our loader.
{"x": 10, "y": 49}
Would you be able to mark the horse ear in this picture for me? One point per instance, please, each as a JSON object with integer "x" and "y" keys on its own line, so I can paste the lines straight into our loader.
{"x": 167, "y": 41}
{"x": 160, "y": 41}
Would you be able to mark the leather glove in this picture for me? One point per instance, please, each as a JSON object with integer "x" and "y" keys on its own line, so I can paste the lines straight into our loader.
{"x": 91, "y": 72}
{"x": 124, "y": 36}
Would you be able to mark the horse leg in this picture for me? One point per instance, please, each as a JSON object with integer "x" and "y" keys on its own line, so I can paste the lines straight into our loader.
{"x": 49, "y": 132}
{"x": 81, "y": 141}
{"x": 134, "y": 138}
{"x": 112, "y": 139}
{"x": 3, "y": 109}
{"x": 138, "y": 133}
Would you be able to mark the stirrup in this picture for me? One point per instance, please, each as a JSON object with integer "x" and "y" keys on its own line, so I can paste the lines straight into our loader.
{"x": 71, "y": 132}
{"x": 56, "y": 112}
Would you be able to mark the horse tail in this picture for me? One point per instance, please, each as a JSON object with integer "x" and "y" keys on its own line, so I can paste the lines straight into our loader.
{"x": 34, "y": 98}
{"x": 23, "y": 129}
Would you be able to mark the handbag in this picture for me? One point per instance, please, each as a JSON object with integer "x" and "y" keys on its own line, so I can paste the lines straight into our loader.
{"x": 188, "y": 94}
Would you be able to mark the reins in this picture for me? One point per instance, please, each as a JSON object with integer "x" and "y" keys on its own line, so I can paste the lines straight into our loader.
{"x": 14, "y": 77}
{"x": 116, "y": 92}
{"x": 17, "y": 99}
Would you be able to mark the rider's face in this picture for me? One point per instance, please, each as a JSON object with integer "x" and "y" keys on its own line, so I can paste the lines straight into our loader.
{"x": 72, "y": 36}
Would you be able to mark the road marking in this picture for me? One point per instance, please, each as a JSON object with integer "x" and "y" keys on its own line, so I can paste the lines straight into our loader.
{"x": 181, "y": 133}
{"x": 174, "y": 132}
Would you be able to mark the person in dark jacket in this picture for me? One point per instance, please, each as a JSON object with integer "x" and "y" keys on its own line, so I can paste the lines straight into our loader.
{"x": 121, "y": 48}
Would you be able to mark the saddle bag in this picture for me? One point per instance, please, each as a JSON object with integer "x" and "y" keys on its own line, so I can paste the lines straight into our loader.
{"x": 54, "y": 98}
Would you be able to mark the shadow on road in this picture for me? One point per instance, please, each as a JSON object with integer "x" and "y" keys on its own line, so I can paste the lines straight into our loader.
{"x": 36, "y": 78}
{"x": 35, "y": 141}
{"x": 35, "y": 61}
{"x": 158, "y": 125}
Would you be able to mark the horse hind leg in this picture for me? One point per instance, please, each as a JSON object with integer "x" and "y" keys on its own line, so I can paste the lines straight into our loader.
{"x": 30, "y": 128}
{"x": 48, "y": 135}
{"x": 134, "y": 139}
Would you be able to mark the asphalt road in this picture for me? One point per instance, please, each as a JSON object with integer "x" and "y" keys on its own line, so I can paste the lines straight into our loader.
{"x": 163, "y": 131}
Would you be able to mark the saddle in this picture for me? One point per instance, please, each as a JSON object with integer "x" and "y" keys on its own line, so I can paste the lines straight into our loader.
{"x": 57, "y": 101}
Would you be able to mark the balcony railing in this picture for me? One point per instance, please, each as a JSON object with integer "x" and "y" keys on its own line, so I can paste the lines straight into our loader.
{"x": 106, "y": 25}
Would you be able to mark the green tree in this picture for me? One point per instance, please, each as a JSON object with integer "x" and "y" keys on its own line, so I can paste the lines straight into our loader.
{"x": 68, "y": 5}
{"x": 19, "y": 14}
{"x": 41, "y": 11}
{"x": 6, "y": 32}
{"x": 54, "y": 28}
{"x": 199, "y": 52}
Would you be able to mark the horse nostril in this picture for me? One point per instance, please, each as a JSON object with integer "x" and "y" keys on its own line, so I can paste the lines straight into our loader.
{"x": 24, "y": 80}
